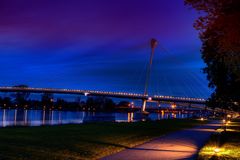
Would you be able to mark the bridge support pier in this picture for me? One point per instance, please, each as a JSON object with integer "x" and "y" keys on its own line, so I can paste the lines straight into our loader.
{"x": 143, "y": 114}
{"x": 144, "y": 105}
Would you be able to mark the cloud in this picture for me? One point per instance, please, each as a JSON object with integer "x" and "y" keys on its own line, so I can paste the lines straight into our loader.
{"x": 98, "y": 44}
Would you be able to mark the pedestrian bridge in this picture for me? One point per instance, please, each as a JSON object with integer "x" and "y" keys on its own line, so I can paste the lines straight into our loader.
{"x": 150, "y": 98}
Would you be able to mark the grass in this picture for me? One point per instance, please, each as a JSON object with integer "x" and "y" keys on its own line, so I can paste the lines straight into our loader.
{"x": 228, "y": 143}
{"x": 85, "y": 141}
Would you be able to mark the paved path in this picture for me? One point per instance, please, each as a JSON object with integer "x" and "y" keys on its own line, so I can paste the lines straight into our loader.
{"x": 183, "y": 144}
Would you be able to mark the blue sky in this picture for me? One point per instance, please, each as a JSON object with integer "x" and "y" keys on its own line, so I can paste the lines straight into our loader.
{"x": 101, "y": 45}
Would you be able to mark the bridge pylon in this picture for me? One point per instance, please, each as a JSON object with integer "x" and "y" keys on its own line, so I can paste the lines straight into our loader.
{"x": 153, "y": 44}
{"x": 144, "y": 105}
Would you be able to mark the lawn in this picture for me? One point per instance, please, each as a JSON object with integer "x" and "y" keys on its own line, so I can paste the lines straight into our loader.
{"x": 84, "y": 141}
{"x": 228, "y": 144}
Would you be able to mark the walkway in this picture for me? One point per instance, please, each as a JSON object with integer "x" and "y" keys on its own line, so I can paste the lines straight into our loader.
{"x": 183, "y": 144}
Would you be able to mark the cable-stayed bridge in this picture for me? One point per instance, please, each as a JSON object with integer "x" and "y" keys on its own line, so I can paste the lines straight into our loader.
{"x": 145, "y": 97}
{"x": 198, "y": 103}
{"x": 153, "y": 98}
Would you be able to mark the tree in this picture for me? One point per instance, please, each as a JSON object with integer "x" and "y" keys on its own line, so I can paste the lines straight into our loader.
{"x": 220, "y": 35}
{"x": 109, "y": 105}
{"x": 21, "y": 97}
{"x": 60, "y": 103}
{"x": 100, "y": 103}
{"x": 90, "y": 102}
{"x": 6, "y": 102}
{"x": 47, "y": 100}
{"x": 123, "y": 104}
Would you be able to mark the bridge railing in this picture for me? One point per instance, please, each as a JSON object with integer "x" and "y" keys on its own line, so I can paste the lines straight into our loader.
{"x": 105, "y": 93}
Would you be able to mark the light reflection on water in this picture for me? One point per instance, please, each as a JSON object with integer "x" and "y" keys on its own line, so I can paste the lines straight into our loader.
{"x": 14, "y": 117}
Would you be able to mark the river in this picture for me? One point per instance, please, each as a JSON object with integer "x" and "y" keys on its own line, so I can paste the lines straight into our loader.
{"x": 14, "y": 117}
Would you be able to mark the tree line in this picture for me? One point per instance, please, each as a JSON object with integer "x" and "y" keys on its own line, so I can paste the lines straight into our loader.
{"x": 21, "y": 100}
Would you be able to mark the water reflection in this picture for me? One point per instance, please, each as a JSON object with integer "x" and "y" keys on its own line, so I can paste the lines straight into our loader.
{"x": 14, "y": 117}
{"x": 130, "y": 117}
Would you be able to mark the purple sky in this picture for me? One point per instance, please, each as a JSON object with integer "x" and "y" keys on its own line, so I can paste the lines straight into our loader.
{"x": 100, "y": 44}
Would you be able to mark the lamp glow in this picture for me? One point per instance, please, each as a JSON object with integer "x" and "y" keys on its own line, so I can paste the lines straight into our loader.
{"x": 216, "y": 150}
{"x": 173, "y": 106}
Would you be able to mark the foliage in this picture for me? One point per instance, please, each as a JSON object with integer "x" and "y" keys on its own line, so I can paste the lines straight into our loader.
{"x": 100, "y": 103}
{"x": 220, "y": 34}
{"x": 21, "y": 97}
{"x": 5, "y": 102}
{"x": 123, "y": 104}
{"x": 60, "y": 103}
{"x": 228, "y": 143}
{"x": 47, "y": 100}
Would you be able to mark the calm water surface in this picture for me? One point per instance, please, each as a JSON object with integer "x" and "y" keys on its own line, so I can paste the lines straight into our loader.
{"x": 14, "y": 117}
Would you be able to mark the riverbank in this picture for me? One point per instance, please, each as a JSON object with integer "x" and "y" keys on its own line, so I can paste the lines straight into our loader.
{"x": 223, "y": 145}
{"x": 85, "y": 141}
{"x": 183, "y": 144}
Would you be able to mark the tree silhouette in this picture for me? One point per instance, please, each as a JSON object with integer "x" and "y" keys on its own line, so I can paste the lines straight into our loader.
{"x": 60, "y": 103}
{"x": 100, "y": 103}
{"x": 220, "y": 35}
{"x": 5, "y": 102}
{"x": 21, "y": 97}
{"x": 47, "y": 100}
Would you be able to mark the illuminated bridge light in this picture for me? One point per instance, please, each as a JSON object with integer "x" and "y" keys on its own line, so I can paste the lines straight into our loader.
{"x": 86, "y": 94}
{"x": 110, "y": 93}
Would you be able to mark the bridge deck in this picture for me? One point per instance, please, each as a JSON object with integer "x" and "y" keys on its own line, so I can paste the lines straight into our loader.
{"x": 157, "y": 98}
